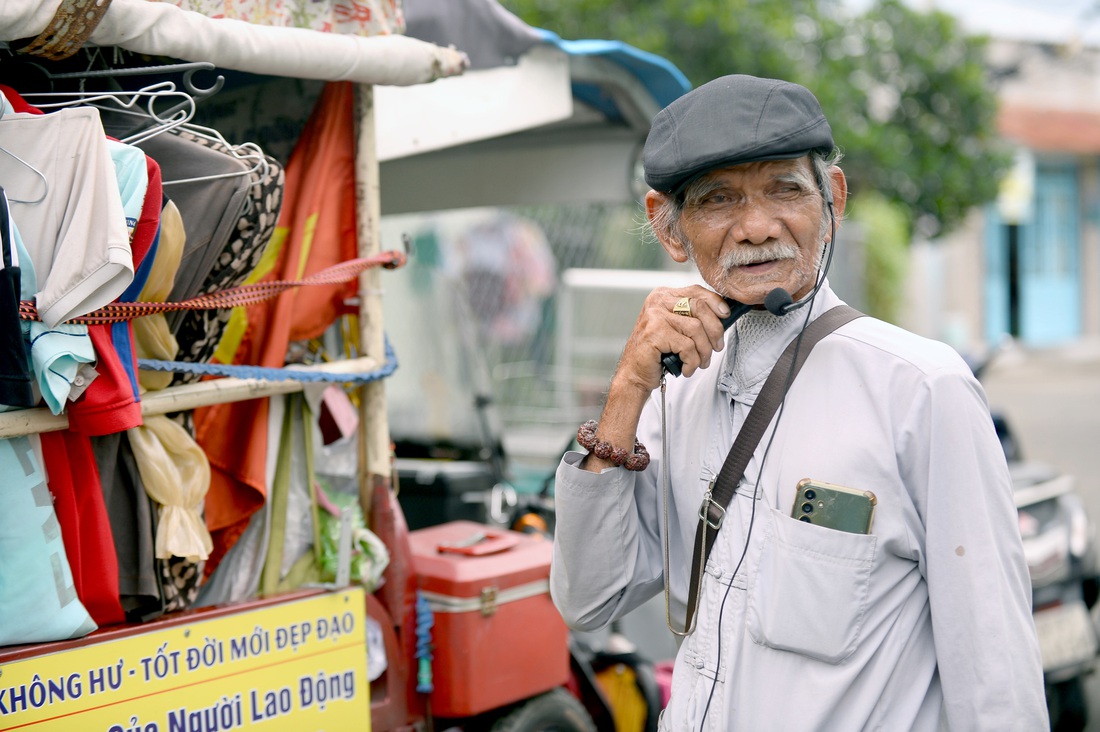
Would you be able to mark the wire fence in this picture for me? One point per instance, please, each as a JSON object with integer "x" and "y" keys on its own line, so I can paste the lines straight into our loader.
{"x": 528, "y": 307}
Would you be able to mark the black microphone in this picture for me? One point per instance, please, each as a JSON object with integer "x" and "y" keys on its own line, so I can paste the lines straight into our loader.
{"x": 779, "y": 302}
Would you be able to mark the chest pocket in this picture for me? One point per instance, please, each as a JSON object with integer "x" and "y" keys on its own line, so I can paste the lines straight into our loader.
{"x": 809, "y": 593}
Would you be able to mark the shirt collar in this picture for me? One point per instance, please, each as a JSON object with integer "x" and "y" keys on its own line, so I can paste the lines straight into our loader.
{"x": 756, "y": 341}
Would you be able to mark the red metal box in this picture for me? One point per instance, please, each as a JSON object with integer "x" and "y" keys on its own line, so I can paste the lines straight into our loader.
{"x": 497, "y": 636}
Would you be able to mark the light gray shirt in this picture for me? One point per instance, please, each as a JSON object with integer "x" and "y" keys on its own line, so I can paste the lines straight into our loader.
{"x": 924, "y": 624}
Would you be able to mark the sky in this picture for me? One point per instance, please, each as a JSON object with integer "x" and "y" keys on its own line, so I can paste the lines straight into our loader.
{"x": 1052, "y": 21}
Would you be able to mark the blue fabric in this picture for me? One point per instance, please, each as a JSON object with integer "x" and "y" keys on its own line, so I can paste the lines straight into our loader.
{"x": 270, "y": 374}
{"x": 38, "y": 601}
{"x": 132, "y": 175}
{"x": 56, "y": 353}
{"x": 133, "y": 179}
{"x": 122, "y": 333}
{"x": 658, "y": 75}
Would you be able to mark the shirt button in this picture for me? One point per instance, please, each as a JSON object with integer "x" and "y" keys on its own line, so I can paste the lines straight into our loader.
{"x": 699, "y": 664}
{"x": 79, "y": 380}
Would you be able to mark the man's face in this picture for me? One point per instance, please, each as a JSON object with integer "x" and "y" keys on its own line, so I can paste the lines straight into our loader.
{"x": 751, "y": 228}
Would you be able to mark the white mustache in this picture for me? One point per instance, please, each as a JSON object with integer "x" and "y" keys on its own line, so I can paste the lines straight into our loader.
{"x": 742, "y": 257}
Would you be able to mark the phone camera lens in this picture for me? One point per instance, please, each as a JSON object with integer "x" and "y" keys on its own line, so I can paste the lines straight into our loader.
{"x": 807, "y": 508}
{"x": 805, "y": 518}
{"x": 810, "y": 494}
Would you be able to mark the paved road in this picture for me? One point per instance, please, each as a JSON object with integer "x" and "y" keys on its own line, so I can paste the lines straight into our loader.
{"x": 1052, "y": 400}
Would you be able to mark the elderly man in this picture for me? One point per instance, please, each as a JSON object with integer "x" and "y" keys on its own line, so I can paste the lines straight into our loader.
{"x": 906, "y": 611}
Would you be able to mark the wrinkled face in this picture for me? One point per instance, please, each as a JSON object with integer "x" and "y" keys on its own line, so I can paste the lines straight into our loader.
{"x": 751, "y": 228}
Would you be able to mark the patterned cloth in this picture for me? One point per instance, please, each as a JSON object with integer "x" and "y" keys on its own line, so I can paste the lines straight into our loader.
{"x": 198, "y": 332}
{"x": 349, "y": 17}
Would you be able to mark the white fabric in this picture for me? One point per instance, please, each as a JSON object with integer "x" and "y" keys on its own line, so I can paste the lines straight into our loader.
{"x": 925, "y": 624}
{"x": 77, "y": 234}
{"x": 165, "y": 30}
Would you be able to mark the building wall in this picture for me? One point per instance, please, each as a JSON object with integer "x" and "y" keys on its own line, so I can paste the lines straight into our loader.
{"x": 947, "y": 277}
{"x": 944, "y": 287}
{"x": 1090, "y": 246}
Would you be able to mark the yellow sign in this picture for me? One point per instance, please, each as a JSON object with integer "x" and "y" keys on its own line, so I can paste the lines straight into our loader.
{"x": 298, "y": 665}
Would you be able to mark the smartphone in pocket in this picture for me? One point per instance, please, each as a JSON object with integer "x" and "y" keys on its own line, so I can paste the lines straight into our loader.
{"x": 834, "y": 506}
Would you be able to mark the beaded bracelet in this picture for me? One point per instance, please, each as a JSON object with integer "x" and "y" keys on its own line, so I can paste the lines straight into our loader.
{"x": 637, "y": 460}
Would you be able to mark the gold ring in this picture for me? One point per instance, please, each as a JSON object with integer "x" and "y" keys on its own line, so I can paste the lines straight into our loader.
{"x": 683, "y": 307}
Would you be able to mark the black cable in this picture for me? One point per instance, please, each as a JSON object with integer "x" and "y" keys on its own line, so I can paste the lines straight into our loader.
{"x": 760, "y": 473}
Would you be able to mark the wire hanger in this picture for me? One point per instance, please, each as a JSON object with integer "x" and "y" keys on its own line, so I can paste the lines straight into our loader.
{"x": 36, "y": 171}
{"x": 141, "y": 103}
{"x": 125, "y": 101}
{"x": 248, "y": 152}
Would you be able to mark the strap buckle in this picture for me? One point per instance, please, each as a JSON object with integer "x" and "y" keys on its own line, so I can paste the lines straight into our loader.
{"x": 705, "y": 511}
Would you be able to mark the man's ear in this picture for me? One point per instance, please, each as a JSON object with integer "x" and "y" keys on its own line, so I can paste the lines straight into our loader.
{"x": 653, "y": 202}
{"x": 839, "y": 184}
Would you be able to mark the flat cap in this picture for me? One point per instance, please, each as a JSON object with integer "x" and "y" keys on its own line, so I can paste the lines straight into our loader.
{"x": 728, "y": 121}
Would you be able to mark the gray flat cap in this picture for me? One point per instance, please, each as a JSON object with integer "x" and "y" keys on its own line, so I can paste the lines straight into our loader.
{"x": 728, "y": 121}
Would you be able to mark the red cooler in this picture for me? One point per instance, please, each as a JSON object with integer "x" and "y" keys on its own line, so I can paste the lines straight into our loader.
{"x": 497, "y": 637}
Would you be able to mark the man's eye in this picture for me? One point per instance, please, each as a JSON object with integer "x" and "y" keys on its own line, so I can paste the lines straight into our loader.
{"x": 789, "y": 190}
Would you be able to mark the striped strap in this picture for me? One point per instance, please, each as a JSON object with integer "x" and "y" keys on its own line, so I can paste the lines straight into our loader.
{"x": 232, "y": 297}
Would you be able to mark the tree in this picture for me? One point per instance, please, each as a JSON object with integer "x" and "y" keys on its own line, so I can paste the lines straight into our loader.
{"x": 906, "y": 92}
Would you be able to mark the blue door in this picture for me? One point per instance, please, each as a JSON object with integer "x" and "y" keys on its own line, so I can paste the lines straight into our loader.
{"x": 1033, "y": 287}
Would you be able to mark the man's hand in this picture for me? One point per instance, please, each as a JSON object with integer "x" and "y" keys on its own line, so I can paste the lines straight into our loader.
{"x": 658, "y": 330}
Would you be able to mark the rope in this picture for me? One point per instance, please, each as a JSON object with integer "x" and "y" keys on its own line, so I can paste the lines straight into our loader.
{"x": 273, "y": 374}
{"x": 231, "y": 297}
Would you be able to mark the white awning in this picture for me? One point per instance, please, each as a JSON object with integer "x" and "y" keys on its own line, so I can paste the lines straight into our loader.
{"x": 161, "y": 29}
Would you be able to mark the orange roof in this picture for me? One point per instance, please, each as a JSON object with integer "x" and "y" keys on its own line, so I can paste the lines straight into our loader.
{"x": 1051, "y": 130}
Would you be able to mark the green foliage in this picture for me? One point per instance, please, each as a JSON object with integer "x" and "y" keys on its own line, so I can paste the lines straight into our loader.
{"x": 883, "y": 225}
{"x": 906, "y": 92}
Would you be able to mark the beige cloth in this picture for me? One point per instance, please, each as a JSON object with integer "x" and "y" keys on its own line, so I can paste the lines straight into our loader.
{"x": 176, "y": 475}
{"x": 173, "y": 468}
{"x": 152, "y": 336}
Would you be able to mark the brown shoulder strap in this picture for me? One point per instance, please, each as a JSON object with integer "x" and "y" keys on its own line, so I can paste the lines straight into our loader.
{"x": 713, "y": 508}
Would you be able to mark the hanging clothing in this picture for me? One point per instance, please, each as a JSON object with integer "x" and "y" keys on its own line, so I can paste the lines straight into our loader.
{"x": 73, "y": 479}
{"x": 15, "y": 366}
{"x": 62, "y": 356}
{"x": 316, "y": 229}
{"x": 130, "y": 512}
{"x": 174, "y": 470}
{"x": 77, "y": 504}
{"x": 152, "y": 336}
{"x": 198, "y": 332}
{"x": 38, "y": 602}
{"x": 71, "y": 217}
{"x": 112, "y": 402}
{"x": 211, "y": 208}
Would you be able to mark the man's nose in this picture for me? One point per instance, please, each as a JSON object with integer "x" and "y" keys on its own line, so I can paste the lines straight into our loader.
{"x": 756, "y": 224}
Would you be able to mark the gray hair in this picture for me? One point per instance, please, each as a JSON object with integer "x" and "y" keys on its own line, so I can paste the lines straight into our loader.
{"x": 666, "y": 218}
